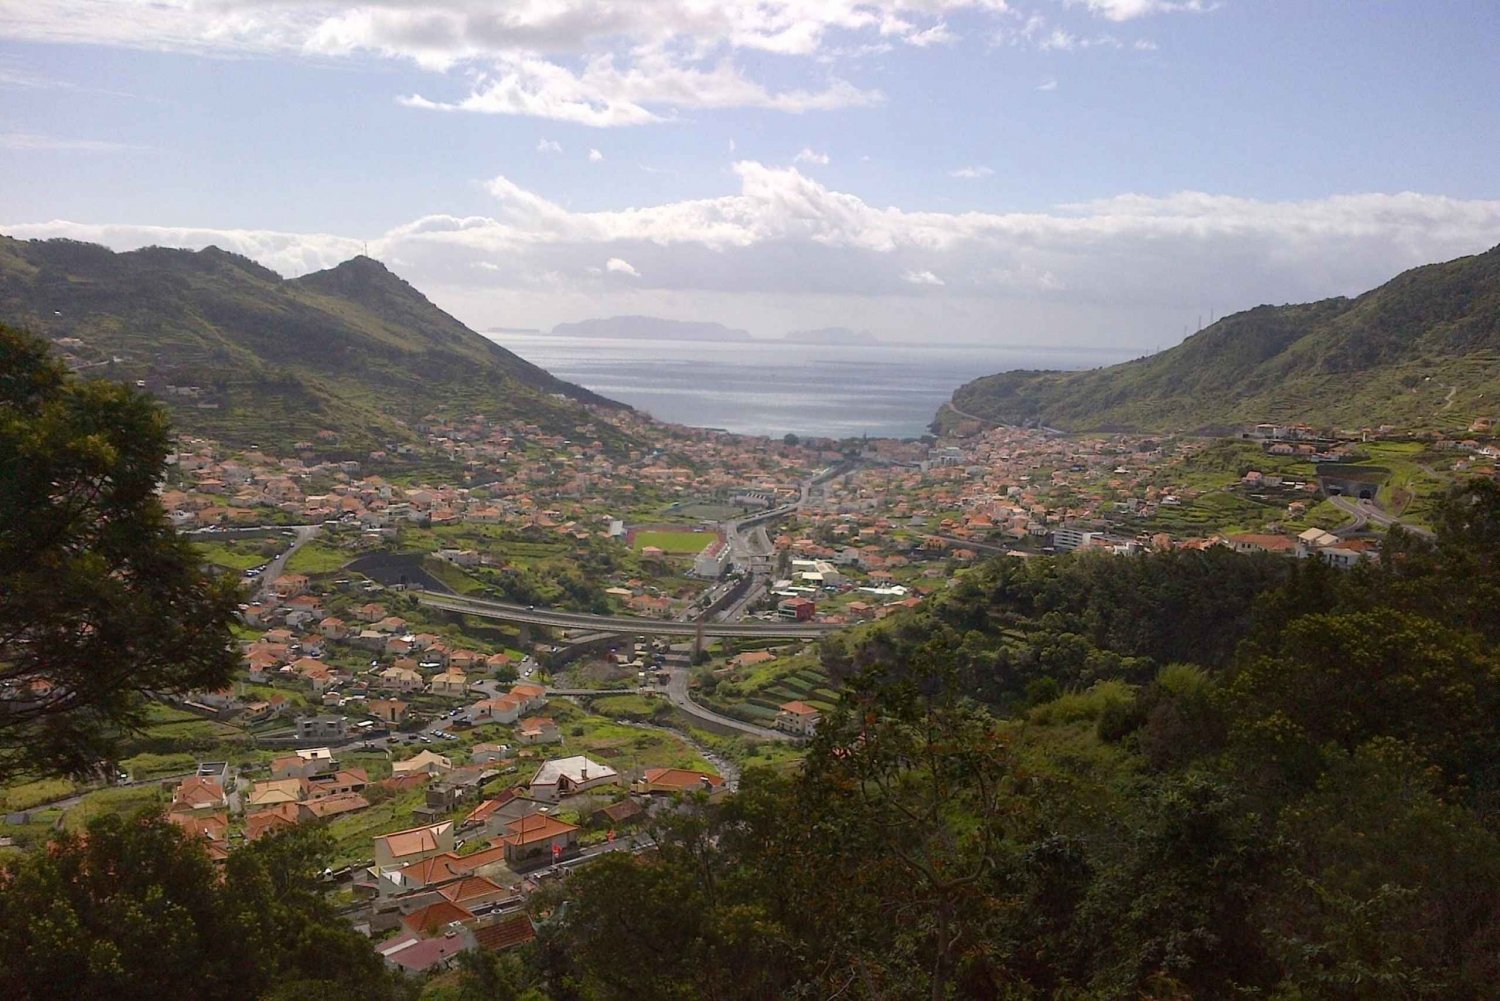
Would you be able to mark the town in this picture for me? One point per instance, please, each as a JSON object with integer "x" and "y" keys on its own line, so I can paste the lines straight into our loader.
{"x": 485, "y": 660}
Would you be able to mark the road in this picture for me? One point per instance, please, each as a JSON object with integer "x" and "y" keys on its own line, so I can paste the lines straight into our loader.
{"x": 622, "y": 624}
{"x": 301, "y": 535}
{"x": 677, "y": 691}
{"x": 1365, "y": 512}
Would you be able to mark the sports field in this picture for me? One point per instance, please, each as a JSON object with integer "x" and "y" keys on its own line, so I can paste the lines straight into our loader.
{"x": 674, "y": 542}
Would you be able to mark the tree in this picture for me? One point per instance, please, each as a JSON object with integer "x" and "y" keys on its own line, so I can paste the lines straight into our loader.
{"x": 135, "y": 909}
{"x": 101, "y": 603}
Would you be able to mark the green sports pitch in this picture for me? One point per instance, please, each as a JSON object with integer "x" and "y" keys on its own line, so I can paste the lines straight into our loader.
{"x": 674, "y": 542}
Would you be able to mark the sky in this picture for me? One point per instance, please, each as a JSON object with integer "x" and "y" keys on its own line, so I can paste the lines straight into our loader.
{"x": 1082, "y": 173}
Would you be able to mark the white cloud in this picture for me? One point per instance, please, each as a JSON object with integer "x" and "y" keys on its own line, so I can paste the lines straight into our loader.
{"x": 1127, "y": 10}
{"x": 1047, "y": 85}
{"x": 1098, "y": 268}
{"x": 33, "y": 141}
{"x": 971, "y": 173}
{"x": 595, "y": 156}
{"x": 808, "y": 156}
{"x": 578, "y": 61}
{"x": 548, "y": 146}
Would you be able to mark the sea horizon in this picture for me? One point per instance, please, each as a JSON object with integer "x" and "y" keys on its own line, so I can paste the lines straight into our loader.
{"x": 774, "y": 387}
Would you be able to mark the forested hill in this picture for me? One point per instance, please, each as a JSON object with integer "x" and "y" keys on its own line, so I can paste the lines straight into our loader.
{"x": 253, "y": 357}
{"x": 1422, "y": 350}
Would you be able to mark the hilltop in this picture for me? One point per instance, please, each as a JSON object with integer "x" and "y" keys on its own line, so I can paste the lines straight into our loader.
{"x": 1422, "y": 350}
{"x": 351, "y": 357}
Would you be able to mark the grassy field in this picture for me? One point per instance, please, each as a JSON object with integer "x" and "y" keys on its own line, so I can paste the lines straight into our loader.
{"x": 27, "y": 795}
{"x": 316, "y": 557}
{"x": 232, "y": 555}
{"x": 674, "y": 542}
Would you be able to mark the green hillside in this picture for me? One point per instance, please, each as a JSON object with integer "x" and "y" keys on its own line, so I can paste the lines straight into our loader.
{"x": 255, "y": 358}
{"x": 1422, "y": 350}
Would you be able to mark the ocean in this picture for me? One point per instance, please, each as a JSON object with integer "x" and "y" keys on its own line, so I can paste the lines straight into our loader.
{"x": 778, "y": 387}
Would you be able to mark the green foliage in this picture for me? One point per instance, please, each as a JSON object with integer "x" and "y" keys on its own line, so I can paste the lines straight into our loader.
{"x": 1391, "y": 356}
{"x": 100, "y": 601}
{"x": 136, "y": 910}
{"x": 1301, "y": 808}
{"x": 354, "y": 349}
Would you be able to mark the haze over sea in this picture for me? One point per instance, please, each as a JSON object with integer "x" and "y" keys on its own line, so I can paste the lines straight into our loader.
{"x": 773, "y": 387}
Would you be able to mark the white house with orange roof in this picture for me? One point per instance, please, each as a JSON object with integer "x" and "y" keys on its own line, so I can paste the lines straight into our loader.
{"x": 402, "y": 848}
{"x": 798, "y": 718}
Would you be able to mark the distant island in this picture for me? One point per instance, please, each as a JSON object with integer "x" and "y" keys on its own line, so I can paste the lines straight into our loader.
{"x": 832, "y": 335}
{"x": 651, "y": 328}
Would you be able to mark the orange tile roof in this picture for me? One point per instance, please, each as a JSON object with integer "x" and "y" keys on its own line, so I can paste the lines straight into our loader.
{"x": 534, "y": 828}
{"x": 471, "y": 888}
{"x": 506, "y": 933}
{"x": 409, "y": 842}
{"x": 435, "y": 917}
{"x": 681, "y": 778}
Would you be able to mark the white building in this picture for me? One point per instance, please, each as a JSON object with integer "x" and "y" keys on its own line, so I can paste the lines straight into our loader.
{"x": 568, "y": 776}
{"x": 713, "y": 561}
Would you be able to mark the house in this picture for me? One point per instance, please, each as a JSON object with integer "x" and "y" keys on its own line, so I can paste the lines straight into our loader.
{"x": 391, "y": 711}
{"x": 798, "y": 718}
{"x": 341, "y": 782}
{"x": 334, "y": 805}
{"x": 1314, "y": 539}
{"x": 451, "y": 682}
{"x": 277, "y": 791}
{"x": 401, "y": 679}
{"x": 210, "y": 827}
{"x": 505, "y": 709}
{"x": 484, "y": 754}
{"x": 272, "y": 819}
{"x": 416, "y": 955}
{"x": 427, "y": 762}
{"x": 539, "y": 730}
{"x": 531, "y": 696}
{"x": 323, "y": 728}
{"x": 304, "y": 763}
{"x": 677, "y": 781}
{"x": 799, "y": 609}
{"x": 507, "y": 932}
{"x": 198, "y": 792}
{"x": 289, "y": 585}
{"x": 435, "y": 918}
{"x": 562, "y": 777}
{"x": 472, "y": 891}
{"x": 1251, "y": 542}
{"x": 402, "y": 848}
{"x": 626, "y": 811}
{"x": 539, "y": 838}
{"x": 751, "y": 658}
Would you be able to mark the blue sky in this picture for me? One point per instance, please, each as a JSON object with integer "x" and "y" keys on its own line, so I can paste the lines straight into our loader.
{"x": 1092, "y": 172}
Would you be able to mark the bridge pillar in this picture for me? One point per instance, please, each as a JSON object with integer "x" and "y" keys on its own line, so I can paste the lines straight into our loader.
{"x": 525, "y": 636}
{"x": 698, "y": 640}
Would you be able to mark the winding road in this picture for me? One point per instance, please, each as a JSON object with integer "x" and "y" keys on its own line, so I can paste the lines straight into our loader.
{"x": 1364, "y": 512}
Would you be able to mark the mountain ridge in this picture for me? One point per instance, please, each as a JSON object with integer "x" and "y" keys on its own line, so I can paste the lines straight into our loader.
{"x": 242, "y": 354}
{"x": 1422, "y": 349}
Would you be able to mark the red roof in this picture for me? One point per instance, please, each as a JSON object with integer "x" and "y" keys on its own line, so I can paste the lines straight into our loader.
{"x": 434, "y": 918}
{"x": 507, "y": 933}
